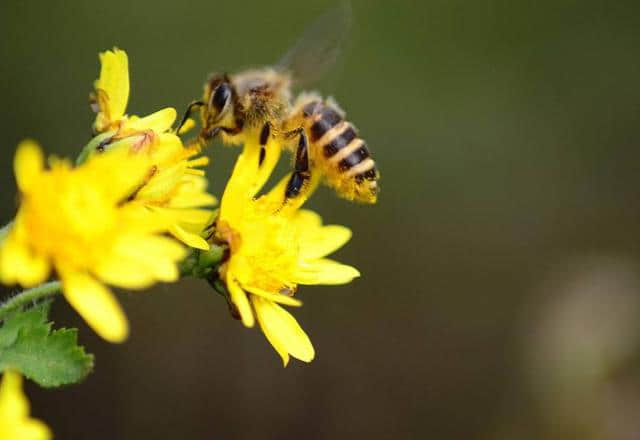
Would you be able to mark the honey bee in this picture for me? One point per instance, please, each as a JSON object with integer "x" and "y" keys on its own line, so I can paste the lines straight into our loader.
{"x": 259, "y": 103}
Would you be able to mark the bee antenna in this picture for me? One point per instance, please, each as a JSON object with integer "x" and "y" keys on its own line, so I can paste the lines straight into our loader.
{"x": 187, "y": 113}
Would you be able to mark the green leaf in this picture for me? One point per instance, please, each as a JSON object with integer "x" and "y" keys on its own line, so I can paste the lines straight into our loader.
{"x": 16, "y": 321}
{"x": 49, "y": 358}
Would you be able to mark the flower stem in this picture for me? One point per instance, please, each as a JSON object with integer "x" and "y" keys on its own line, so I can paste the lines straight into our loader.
{"x": 28, "y": 296}
{"x": 200, "y": 263}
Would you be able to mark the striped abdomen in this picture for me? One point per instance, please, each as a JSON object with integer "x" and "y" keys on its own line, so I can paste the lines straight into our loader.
{"x": 343, "y": 156}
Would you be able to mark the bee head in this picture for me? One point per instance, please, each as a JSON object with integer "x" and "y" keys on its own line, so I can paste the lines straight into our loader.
{"x": 220, "y": 97}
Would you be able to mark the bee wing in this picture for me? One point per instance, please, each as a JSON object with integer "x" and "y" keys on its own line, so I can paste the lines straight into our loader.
{"x": 318, "y": 48}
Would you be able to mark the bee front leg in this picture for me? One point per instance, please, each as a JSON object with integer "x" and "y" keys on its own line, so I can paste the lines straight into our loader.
{"x": 207, "y": 135}
{"x": 302, "y": 171}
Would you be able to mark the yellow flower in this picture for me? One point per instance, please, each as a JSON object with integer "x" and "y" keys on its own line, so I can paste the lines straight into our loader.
{"x": 274, "y": 247}
{"x": 15, "y": 423}
{"x": 110, "y": 97}
{"x": 74, "y": 220}
{"x": 175, "y": 190}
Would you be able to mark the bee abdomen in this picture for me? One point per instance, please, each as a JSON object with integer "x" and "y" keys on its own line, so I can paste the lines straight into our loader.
{"x": 324, "y": 120}
{"x": 311, "y": 108}
{"x": 337, "y": 142}
{"x": 371, "y": 175}
{"x": 349, "y": 153}
{"x": 337, "y": 138}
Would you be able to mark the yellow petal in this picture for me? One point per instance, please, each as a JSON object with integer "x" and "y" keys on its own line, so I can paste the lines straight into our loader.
{"x": 271, "y": 337}
{"x": 324, "y": 271}
{"x": 123, "y": 272}
{"x": 132, "y": 170}
{"x": 275, "y": 297}
{"x": 160, "y": 121}
{"x": 239, "y": 298}
{"x": 191, "y": 216}
{"x": 242, "y": 183}
{"x": 192, "y": 193}
{"x": 194, "y": 184}
{"x": 114, "y": 82}
{"x": 140, "y": 218}
{"x": 306, "y": 219}
{"x": 14, "y": 412}
{"x": 27, "y": 164}
{"x": 188, "y": 238}
{"x": 319, "y": 241}
{"x": 201, "y": 161}
{"x": 32, "y": 429}
{"x": 13, "y": 402}
{"x": 161, "y": 186}
{"x": 19, "y": 264}
{"x": 276, "y": 195}
{"x": 192, "y": 200}
{"x": 137, "y": 262}
{"x": 282, "y": 330}
{"x": 289, "y": 207}
{"x": 186, "y": 224}
{"x": 96, "y": 304}
{"x": 270, "y": 160}
{"x": 187, "y": 126}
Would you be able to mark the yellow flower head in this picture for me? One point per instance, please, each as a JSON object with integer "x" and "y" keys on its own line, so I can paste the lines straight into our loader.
{"x": 175, "y": 189}
{"x": 111, "y": 89}
{"x": 274, "y": 247}
{"x": 74, "y": 220}
{"x": 14, "y": 412}
{"x": 110, "y": 97}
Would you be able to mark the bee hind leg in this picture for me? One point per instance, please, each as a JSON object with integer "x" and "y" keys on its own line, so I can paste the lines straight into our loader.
{"x": 302, "y": 171}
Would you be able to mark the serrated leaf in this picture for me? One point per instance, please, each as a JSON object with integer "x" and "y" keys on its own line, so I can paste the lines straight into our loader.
{"x": 18, "y": 320}
{"x": 50, "y": 359}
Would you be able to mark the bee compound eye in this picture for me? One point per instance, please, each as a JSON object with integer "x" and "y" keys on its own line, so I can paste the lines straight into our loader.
{"x": 221, "y": 97}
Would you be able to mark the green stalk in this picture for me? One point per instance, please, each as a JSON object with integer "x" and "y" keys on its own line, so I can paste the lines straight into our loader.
{"x": 200, "y": 263}
{"x": 28, "y": 296}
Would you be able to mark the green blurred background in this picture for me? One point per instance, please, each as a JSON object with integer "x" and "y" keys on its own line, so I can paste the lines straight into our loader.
{"x": 500, "y": 287}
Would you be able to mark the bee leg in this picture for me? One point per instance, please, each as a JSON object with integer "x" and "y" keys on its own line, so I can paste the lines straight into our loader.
{"x": 302, "y": 173}
{"x": 293, "y": 133}
{"x": 264, "y": 138}
{"x": 210, "y": 134}
{"x": 207, "y": 135}
{"x": 187, "y": 114}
